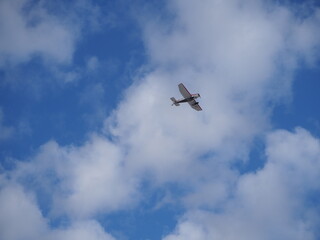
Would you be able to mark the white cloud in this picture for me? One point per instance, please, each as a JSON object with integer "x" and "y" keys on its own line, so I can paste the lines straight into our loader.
{"x": 30, "y": 29}
{"x": 190, "y": 231}
{"x": 239, "y": 56}
{"x": 246, "y": 46}
{"x": 98, "y": 169}
{"x": 20, "y": 217}
{"x": 305, "y": 40}
{"x": 272, "y": 203}
{"x": 236, "y": 55}
{"x": 168, "y": 140}
{"x": 91, "y": 178}
{"x": 26, "y": 34}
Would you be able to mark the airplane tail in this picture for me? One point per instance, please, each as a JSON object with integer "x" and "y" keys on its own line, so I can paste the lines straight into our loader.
{"x": 174, "y": 101}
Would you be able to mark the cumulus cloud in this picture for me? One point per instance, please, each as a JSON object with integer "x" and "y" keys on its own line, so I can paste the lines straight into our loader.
{"x": 240, "y": 56}
{"x": 188, "y": 230}
{"x": 272, "y": 203}
{"x": 246, "y": 46}
{"x": 25, "y": 34}
{"x": 85, "y": 180}
{"x": 30, "y": 29}
{"x": 22, "y": 219}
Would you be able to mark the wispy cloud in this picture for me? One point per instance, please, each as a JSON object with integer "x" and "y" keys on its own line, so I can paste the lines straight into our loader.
{"x": 6, "y": 132}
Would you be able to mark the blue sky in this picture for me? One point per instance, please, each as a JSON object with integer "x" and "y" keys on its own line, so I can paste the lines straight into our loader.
{"x": 91, "y": 148}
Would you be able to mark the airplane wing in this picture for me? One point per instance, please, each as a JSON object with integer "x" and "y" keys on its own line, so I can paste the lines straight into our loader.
{"x": 195, "y": 105}
{"x": 184, "y": 92}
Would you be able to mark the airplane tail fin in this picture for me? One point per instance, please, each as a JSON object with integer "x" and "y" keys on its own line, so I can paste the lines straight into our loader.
{"x": 174, "y": 101}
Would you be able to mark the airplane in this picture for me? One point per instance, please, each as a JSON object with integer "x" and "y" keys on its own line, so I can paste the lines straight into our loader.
{"x": 188, "y": 97}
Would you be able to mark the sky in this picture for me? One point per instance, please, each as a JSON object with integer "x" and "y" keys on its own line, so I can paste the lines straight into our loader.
{"x": 91, "y": 148}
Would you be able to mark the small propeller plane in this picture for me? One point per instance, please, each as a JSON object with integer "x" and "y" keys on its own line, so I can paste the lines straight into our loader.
{"x": 188, "y": 97}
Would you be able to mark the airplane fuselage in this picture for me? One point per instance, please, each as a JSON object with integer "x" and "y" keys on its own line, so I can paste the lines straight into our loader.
{"x": 187, "y": 99}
